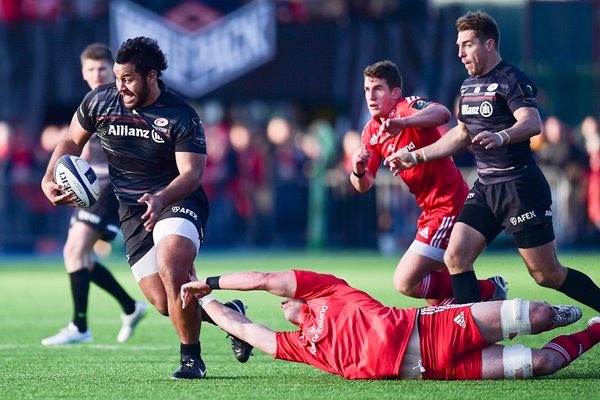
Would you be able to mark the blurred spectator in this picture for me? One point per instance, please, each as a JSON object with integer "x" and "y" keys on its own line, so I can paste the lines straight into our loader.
{"x": 320, "y": 146}
{"x": 590, "y": 131}
{"x": 350, "y": 142}
{"x": 250, "y": 189}
{"x": 559, "y": 149}
{"x": 218, "y": 173}
{"x": 289, "y": 183}
{"x": 358, "y": 231}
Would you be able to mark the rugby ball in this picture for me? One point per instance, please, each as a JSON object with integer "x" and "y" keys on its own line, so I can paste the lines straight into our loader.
{"x": 77, "y": 177}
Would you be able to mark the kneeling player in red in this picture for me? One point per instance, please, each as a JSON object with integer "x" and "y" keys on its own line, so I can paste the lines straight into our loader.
{"x": 346, "y": 332}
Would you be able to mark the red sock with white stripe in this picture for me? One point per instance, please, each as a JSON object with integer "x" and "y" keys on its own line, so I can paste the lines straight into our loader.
{"x": 438, "y": 285}
{"x": 572, "y": 346}
{"x": 487, "y": 289}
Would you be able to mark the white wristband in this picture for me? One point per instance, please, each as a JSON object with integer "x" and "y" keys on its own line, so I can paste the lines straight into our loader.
{"x": 500, "y": 136}
{"x": 206, "y": 300}
{"x": 423, "y": 154}
{"x": 413, "y": 157}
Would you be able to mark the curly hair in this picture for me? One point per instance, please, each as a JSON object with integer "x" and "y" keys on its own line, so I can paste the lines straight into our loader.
{"x": 385, "y": 70}
{"x": 482, "y": 24}
{"x": 144, "y": 54}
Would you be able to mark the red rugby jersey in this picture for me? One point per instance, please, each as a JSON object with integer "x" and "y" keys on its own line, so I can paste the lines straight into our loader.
{"x": 345, "y": 331}
{"x": 434, "y": 184}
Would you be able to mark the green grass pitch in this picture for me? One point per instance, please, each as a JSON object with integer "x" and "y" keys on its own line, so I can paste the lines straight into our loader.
{"x": 35, "y": 303}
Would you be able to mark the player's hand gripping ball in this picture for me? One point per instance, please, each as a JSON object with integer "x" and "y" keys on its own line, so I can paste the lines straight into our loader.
{"x": 77, "y": 177}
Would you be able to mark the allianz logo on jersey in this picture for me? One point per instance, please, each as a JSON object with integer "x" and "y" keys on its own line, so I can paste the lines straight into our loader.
{"x": 485, "y": 109}
{"x": 124, "y": 130}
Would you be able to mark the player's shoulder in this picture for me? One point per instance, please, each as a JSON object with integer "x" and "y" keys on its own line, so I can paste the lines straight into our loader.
{"x": 99, "y": 99}
{"x": 511, "y": 72}
{"x": 371, "y": 127}
{"x": 106, "y": 92}
{"x": 414, "y": 102}
{"x": 173, "y": 101}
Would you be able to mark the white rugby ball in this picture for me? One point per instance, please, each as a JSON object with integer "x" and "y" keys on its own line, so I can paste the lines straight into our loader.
{"x": 77, "y": 177}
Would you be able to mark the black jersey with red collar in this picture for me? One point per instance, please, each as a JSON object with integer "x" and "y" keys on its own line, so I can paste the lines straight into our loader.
{"x": 487, "y": 103}
{"x": 141, "y": 143}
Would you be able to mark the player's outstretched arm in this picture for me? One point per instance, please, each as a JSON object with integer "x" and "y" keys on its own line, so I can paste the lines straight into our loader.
{"x": 454, "y": 140}
{"x": 240, "y": 326}
{"x": 278, "y": 283}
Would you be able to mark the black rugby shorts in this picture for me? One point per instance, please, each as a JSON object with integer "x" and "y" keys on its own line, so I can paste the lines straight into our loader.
{"x": 103, "y": 216}
{"x": 138, "y": 241}
{"x": 521, "y": 207}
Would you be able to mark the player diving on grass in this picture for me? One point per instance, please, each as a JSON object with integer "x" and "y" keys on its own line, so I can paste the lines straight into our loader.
{"x": 346, "y": 332}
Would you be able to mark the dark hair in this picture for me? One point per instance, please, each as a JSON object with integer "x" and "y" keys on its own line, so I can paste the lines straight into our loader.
{"x": 97, "y": 51}
{"x": 385, "y": 70}
{"x": 144, "y": 54}
{"x": 482, "y": 24}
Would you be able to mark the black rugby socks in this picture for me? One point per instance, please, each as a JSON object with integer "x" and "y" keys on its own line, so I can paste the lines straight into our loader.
{"x": 580, "y": 287}
{"x": 80, "y": 288}
{"x": 466, "y": 288}
{"x": 102, "y": 277}
{"x": 192, "y": 350}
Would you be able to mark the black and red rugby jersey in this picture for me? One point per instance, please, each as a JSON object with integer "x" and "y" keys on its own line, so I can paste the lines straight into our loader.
{"x": 141, "y": 143}
{"x": 487, "y": 103}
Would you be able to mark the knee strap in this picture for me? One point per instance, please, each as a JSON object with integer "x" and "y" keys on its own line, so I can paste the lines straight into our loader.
{"x": 518, "y": 362}
{"x": 514, "y": 318}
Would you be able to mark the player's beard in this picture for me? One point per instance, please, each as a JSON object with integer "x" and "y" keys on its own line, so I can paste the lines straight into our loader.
{"x": 140, "y": 97}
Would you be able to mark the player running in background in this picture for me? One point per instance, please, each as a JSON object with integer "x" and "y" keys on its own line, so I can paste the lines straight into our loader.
{"x": 497, "y": 116}
{"x": 156, "y": 155}
{"x": 345, "y": 331}
{"x": 99, "y": 222}
{"x": 403, "y": 124}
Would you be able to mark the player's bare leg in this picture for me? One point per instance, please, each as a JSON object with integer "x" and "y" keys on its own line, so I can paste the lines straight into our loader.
{"x": 498, "y": 320}
{"x": 410, "y": 272}
{"x": 519, "y": 362}
{"x": 78, "y": 250}
{"x": 543, "y": 265}
{"x": 426, "y": 276}
{"x": 174, "y": 258}
{"x": 154, "y": 290}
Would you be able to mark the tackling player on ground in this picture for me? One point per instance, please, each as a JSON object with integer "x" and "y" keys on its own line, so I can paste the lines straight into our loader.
{"x": 345, "y": 331}
{"x": 404, "y": 124}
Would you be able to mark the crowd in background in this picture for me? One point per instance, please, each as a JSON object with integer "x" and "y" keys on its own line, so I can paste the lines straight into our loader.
{"x": 288, "y": 11}
{"x": 277, "y": 173}
{"x": 278, "y": 179}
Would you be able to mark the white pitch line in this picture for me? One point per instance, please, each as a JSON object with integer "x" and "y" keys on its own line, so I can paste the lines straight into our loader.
{"x": 92, "y": 346}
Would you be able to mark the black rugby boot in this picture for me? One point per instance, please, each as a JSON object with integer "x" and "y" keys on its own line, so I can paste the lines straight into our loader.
{"x": 241, "y": 350}
{"x": 190, "y": 368}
